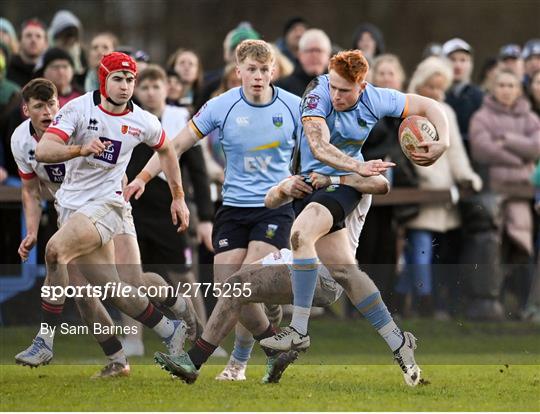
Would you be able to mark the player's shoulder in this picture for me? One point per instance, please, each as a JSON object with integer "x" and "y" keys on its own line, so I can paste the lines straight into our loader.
{"x": 372, "y": 92}
{"x": 227, "y": 98}
{"x": 85, "y": 100}
{"x": 375, "y": 96}
{"x": 21, "y": 134}
{"x": 290, "y": 99}
{"x": 144, "y": 116}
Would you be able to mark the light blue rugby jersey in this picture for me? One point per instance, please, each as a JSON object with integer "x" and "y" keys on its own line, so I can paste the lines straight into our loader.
{"x": 348, "y": 129}
{"x": 258, "y": 141}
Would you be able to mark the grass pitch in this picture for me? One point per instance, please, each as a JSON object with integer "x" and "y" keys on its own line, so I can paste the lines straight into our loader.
{"x": 348, "y": 368}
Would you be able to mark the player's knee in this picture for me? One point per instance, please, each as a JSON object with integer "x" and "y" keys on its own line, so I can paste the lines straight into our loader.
{"x": 236, "y": 278}
{"x": 55, "y": 253}
{"x": 297, "y": 240}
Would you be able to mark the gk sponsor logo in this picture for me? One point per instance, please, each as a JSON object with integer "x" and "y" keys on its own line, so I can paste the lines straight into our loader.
{"x": 254, "y": 164}
{"x": 56, "y": 172}
{"x": 111, "y": 153}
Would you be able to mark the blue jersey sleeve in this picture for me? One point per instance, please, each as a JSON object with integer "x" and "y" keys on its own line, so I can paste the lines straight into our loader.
{"x": 206, "y": 119}
{"x": 387, "y": 102}
{"x": 316, "y": 100}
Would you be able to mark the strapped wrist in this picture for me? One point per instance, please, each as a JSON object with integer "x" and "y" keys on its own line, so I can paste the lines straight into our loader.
{"x": 177, "y": 193}
{"x": 144, "y": 176}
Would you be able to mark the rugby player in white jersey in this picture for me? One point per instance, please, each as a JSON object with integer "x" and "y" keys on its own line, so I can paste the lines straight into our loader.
{"x": 41, "y": 105}
{"x": 97, "y": 133}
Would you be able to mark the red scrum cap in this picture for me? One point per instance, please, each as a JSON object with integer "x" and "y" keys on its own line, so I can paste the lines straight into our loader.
{"x": 114, "y": 62}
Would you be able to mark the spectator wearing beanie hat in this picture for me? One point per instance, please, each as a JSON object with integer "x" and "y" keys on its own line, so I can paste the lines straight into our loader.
{"x": 292, "y": 32}
{"x": 57, "y": 66}
{"x": 32, "y": 47}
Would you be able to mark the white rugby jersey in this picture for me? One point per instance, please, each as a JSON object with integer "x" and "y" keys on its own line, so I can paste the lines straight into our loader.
{"x": 23, "y": 146}
{"x": 100, "y": 177}
{"x": 173, "y": 120}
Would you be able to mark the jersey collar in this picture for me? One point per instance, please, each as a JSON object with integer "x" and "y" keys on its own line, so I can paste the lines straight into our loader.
{"x": 274, "y": 97}
{"x": 33, "y": 131}
{"x": 96, "y": 97}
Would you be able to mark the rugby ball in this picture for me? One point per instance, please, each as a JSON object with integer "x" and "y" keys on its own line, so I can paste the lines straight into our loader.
{"x": 413, "y": 131}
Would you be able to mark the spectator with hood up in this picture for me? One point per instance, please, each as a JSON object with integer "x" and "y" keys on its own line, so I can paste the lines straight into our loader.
{"x": 369, "y": 39}
{"x": 65, "y": 33}
{"x": 8, "y": 35}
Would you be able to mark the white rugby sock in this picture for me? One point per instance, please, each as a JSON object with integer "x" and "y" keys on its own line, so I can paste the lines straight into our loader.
{"x": 48, "y": 337}
{"x": 300, "y": 319}
{"x": 118, "y": 357}
{"x": 392, "y": 335}
{"x": 164, "y": 328}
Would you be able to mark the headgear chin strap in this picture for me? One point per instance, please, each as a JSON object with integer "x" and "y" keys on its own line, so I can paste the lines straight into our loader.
{"x": 114, "y": 103}
{"x": 114, "y": 62}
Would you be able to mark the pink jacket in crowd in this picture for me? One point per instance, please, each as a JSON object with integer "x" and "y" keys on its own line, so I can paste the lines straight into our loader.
{"x": 508, "y": 140}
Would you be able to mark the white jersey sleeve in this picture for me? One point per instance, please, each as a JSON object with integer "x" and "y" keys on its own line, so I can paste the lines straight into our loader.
{"x": 67, "y": 121}
{"x": 154, "y": 134}
{"x": 26, "y": 171}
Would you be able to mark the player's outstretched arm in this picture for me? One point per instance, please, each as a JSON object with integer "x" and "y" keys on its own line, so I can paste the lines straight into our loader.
{"x": 286, "y": 191}
{"x": 318, "y": 136}
{"x": 366, "y": 185}
{"x": 31, "y": 199}
{"x": 51, "y": 148}
{"x": 185, "y": 139}
{"x": 432, "y": 110}
{"x": 171, "y": 168}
